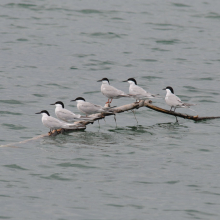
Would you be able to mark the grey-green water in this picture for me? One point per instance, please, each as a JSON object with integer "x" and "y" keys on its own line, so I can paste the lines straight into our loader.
{"x": 56, "y": 50}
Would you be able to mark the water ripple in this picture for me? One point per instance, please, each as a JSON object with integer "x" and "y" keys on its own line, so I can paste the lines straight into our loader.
{"x": 75, "y": 165}
{"x": 90, "y": 11}
{"x": 20, "y": 5}
{"x": 14, "y": 127}
{"x": 107, "y": 35}
{"x": 9, "y": 113}
{"x": 55, "y": 176}
{"x": 180, "y": 5}
{"x": 15, "y": 166}
{"x": 168, "y": 42}
{"x": 11, "y": 101}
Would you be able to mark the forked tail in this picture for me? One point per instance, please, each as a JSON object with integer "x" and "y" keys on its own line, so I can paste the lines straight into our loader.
{"x": 187, "y": 105}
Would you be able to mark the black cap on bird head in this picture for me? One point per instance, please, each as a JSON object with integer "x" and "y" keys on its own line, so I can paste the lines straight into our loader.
{"x": 103, "y": 79}
{"x": 131, "y": 79}
{"x": 58, "y": 102}
{"x": 79, "y": 98}
{"x": 170, "y": 88}
{"x": 43, "y": 111}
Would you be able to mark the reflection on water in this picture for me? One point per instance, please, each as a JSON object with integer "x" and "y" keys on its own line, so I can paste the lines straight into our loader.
{"x": 82, "y": 138}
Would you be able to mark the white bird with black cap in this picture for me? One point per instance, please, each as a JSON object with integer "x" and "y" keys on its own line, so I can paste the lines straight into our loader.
{"x": 111, "y": 92}
{"x": 90, "y": 108}
{"x": 137, "y": 92}
{"x": 53, "y": 123}
{"x": 66, "y": 115}
{"x": 174, "y": 101}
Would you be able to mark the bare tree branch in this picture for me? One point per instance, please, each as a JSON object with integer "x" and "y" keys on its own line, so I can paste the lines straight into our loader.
{"x": 81, "y": 125}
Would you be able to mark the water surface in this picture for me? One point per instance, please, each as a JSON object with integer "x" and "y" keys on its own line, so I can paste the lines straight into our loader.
{"x": 158, "y": 169}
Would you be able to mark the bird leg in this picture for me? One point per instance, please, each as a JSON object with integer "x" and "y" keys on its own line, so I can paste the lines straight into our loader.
{"x": 104, "y": 120}
{"x": 107, "y": 102}
{"x": 134, "y": 115}
{"x": 176, "y": 119}
{"x": 55, "y": 132}
{"x": 50, "y": 132}
{"x": 115, "y": 120}
{"x": 171, "y": 108}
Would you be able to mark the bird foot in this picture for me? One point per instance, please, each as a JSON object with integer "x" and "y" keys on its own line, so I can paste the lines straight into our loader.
{"x": 107, "y": 105}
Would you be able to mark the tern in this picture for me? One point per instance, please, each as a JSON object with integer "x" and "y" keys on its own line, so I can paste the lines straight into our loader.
{"x": 53, "y": 123}
{"x": 111, "y": 92}
{"x": 174, "y": 101}
{"x": 66, "y": 115}
{"x": 89, "y": 108}
{"x": 137, "y": 92}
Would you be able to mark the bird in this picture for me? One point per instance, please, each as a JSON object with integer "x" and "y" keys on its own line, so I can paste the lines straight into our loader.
{"x": 53, "y": 123}
{"x": 66, "y": 115}
{"x": 174, "y": 101}
{"x": 89, "y": 108}
{"x": 137, "y": 92}
{"x": 111, "y": 92}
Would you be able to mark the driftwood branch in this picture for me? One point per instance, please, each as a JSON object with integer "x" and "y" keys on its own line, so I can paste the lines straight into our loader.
{"x": 147, "y": 103}
{"x": 81, "y": 125}
{"x": 176, "y": 114}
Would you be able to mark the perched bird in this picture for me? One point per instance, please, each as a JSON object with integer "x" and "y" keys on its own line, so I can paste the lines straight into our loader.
{"x": 89, "y": 108}
{"x": 66, "y": 115}
{"x": 174, "y": 101}
{"x": 109, "y": 91}
{"x": 137, "y": 92}
{"x": 53, "y": 123}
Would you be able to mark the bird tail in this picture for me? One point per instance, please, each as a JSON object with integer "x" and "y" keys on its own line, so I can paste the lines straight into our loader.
{"x": 139, "y": 96}
{"x": 157, "y": 96}
{"x": 187, "y": 105}
{"x": 84, "y": 118}
{"x": 72, "y": 126}
{"x": 110, "y": 111}
{"x": 126, "y": 95}
{"x": 108, "y": 108}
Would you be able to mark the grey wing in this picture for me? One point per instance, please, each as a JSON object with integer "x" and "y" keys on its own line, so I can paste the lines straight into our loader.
{"x": 84, "y": 118}
{"x": 111, "y": 91}
{"x": 90, "y": 108}
{"x": 67, "y": 115}
{"x": 138, "y": 91}
{"x": 98, "y": 106}
{"x": 52, "y": 123}
{"x": 175, "y": 99}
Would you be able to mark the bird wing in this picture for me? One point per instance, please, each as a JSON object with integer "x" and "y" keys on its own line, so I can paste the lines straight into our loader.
{"x": 136, "y": 90}
{"x": 66, "y": 115}
{"x": 98, "y": 106}
{"x": 89, "y": 108}
{"x": 175, "y": 100}
{"x": 112, "y": 92}
{"x": 52, "y": 122}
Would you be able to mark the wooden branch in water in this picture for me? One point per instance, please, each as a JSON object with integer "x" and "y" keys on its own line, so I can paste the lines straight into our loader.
{"x": 113, "y": 111}
{"x": 23, "y": 142}
{"x": 81, "y": 125}
{"x": 176, "y": 114}
{"x": 148, "y": 104}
